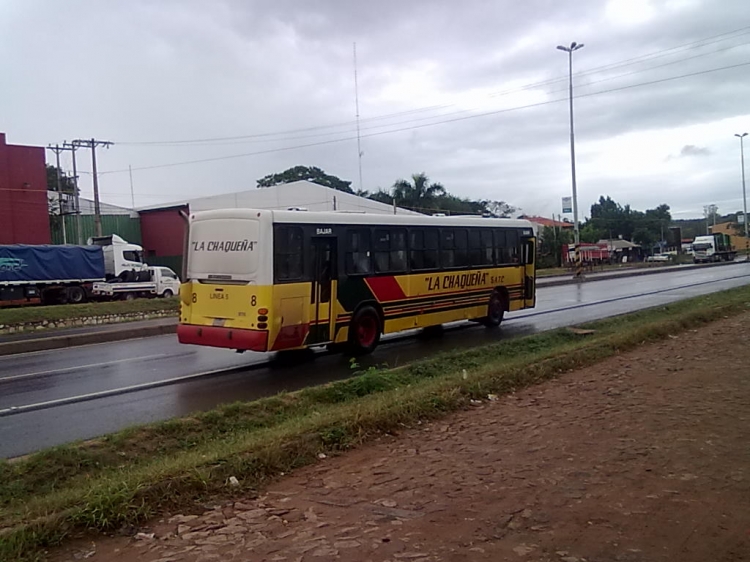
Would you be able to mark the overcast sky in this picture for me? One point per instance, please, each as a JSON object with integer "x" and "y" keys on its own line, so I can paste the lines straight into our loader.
{"x": 473, "y": 93}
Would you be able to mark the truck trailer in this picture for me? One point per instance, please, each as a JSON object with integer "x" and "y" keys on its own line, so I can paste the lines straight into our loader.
{"x": 55, "y": 274}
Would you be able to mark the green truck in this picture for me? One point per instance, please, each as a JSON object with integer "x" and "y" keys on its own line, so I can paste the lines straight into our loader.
{"x": 712, "y": 248}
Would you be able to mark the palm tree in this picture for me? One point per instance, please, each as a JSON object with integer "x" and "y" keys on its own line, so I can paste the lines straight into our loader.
{"x": 418, "y": 194}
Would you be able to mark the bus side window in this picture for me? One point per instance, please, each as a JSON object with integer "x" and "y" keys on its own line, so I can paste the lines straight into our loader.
{"x": 487, "y": 249}
{"x": 512, "y": 247}
{"x": 432, "y": 249}
{"x": 480, "y": 247}
{"x": 288, "y": 253}
{"x": 358, "y": 251}
{"x": 423, "y": 249}
{"x": 382, "y": 253}
{"x": 398, "y": 250}
{"x": 416, "y": 250}
{"x": 461, "y": 240}
{"x": 447, "y": 248}
{"x": 501, "y": 254}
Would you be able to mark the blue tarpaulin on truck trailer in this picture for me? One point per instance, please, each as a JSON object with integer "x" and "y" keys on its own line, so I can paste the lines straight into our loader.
{"x": 23, "y": 264}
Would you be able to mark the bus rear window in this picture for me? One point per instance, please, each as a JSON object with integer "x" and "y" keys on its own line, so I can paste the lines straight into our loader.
{"x": 229, "y": 248}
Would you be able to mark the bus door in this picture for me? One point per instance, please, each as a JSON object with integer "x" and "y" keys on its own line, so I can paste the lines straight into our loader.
{"x": 323, "y": 293}
{"x": 528, "y": 255}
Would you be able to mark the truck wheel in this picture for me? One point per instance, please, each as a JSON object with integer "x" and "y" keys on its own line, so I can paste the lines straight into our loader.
{"x": 167, "y": 293}
{"x": 364, "y": 331}
{"x": 129, "y": 296}
{"x": 495, "y": 311}
{"x": 76, "y": 295}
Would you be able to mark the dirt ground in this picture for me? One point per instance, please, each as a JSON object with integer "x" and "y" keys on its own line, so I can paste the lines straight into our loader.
{"x": 643, "y": 457}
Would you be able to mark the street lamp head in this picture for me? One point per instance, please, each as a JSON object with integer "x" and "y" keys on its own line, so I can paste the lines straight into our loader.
{"x": 577, "y": 46}
{"x": 740, "y": 136}
{"x": 563, "y": 48}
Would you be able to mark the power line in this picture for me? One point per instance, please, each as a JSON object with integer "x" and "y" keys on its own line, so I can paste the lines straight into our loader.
{"x": 611, "y": 66}
{"x": 413, "y": 127}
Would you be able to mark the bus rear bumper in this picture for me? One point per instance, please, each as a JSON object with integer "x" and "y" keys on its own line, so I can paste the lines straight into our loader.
{"x": 230, "y": 338}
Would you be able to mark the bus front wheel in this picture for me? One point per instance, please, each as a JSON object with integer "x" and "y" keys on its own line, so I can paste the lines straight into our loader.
{"x": 364, "y": 331}
{"x": 495, "y": 310}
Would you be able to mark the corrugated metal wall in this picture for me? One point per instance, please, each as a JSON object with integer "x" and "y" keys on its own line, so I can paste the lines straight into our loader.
{"x": 124, "y": 226}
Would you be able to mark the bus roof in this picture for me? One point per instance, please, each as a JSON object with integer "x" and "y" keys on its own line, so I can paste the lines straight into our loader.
{"x": 333, "y": 217}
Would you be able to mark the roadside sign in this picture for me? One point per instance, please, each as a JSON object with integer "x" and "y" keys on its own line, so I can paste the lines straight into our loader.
{"x": 740, "y": 218}
{"x": 567, "y": 204}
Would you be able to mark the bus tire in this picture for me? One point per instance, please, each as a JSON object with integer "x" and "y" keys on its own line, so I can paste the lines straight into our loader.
{"x": 495, "y": 310}
{"x": 364, "y": 331}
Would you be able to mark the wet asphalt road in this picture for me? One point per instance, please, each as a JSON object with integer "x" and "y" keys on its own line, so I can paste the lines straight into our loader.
{"x": 45, "y": 397}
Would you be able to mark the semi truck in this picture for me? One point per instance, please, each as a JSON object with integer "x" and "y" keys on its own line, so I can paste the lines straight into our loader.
{"x": 55, "y": 274}
{"x": 712, "y": 248}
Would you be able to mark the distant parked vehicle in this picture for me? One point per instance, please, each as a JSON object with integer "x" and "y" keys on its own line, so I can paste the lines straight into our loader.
{"x": 659, "y": 258}
{"x": 713, "y": 248}
{"x": 152, "y": 282}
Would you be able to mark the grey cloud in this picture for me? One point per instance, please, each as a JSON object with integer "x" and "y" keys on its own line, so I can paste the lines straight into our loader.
{"x": 189, "y": 69}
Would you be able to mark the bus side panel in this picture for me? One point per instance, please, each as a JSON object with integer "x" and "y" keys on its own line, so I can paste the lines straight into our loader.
{"x": 426, "y": 299}
{"x": 291, "y": 316}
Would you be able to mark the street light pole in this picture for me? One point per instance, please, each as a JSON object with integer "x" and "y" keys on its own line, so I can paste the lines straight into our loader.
{"x": 744, "y": 193}
{"x": 577, "y": 235}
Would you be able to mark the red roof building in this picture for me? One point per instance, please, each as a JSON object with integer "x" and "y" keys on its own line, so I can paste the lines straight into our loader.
{"x": 24, "y": 216}
{"x": 541, "y": 222}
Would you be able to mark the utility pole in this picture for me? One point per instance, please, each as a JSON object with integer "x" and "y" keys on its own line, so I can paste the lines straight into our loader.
{"x": 356, "y": 103}
{"x": 57, "y": 149}
{"x": 744, "y": 193}
{"x": 92, "y": 144}
{"x": 79, "y": 233}
{"x": 132, "y": 193}
{"x": 570, "y": 50}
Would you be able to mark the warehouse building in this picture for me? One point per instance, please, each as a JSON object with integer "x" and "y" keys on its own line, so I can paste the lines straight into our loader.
{"x": 163, "y": 227}
{"x": 24, "y": 218}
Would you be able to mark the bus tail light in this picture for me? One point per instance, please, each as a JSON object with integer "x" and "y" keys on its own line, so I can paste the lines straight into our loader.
{"x": 262, "y": 326}
{"x": 263, "y": 311}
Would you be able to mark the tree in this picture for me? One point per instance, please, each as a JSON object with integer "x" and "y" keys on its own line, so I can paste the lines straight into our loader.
{"x": 551, "y": 244}
{"x": 590, "y": 234}
{"x": 67, "y": 187}
{"x": 644, "y": 237}
{"x": 418, "y": 195}
{"x": 499, "y": 209}
{"x": 67, "y": 183}
{"x": 310, "y": 173}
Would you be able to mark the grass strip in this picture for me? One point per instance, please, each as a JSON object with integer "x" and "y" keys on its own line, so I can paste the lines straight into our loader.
{"x": 55, "y": 313}
{"x": 256, "y": 441}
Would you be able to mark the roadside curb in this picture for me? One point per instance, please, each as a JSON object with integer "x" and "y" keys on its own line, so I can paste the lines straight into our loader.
{"x": 72, "y": 340}
{"x": 569, "y": 280}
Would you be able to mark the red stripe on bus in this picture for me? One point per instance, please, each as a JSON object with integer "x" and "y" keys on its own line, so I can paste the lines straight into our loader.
{"x": 386, "y": 288}
{"x": 231, "y": 338}
{"x": 291, "y": 336}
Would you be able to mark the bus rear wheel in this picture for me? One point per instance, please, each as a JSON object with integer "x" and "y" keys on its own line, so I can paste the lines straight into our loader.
{"x": 364, "y": 331}
{"x": 495, "y": 310}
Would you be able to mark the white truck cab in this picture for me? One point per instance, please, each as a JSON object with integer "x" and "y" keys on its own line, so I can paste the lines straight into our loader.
{"x": 119, "y": 256}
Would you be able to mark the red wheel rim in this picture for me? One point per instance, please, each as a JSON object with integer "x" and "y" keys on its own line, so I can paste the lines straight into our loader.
{"x": 367, "y": 330}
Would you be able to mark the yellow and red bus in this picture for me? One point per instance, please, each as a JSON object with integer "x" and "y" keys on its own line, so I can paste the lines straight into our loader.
{"x": 267, "y": 280}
